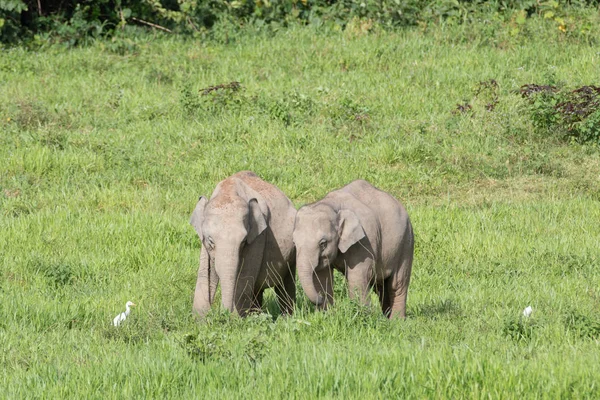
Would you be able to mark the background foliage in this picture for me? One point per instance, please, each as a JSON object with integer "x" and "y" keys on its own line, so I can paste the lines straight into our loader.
{"x": 75, "y": 22}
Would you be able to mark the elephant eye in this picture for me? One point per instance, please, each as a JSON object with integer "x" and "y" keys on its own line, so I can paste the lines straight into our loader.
{"x": 209, "y": 243}
{"x": 323, "y": 244}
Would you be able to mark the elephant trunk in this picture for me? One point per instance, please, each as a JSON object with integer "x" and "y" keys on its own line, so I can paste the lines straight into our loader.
{"x": 317, "y": 284}
{"x": 227, "y": 263}
{"x": 202, "y": 293}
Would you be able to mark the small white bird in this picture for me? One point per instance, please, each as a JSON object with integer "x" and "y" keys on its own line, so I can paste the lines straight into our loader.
{"x": 527, "y": 311}
{"x": 121, "y": 317}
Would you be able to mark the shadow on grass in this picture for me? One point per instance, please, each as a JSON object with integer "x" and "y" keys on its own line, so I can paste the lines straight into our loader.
{"x": 434, "y": 309}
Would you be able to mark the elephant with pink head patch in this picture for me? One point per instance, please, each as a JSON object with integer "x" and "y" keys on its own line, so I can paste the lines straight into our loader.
{"x": 246, "y": 232}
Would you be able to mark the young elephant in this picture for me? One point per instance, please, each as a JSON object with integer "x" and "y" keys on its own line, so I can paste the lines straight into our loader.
{"x": 246, "y": 232}
{"x": 364, "y": 233}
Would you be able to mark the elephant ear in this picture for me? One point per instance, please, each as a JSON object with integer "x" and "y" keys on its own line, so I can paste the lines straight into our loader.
{"x": 257, "y": 221}
{"x": 349, "y": 229}
{"x": 198, "y": 215}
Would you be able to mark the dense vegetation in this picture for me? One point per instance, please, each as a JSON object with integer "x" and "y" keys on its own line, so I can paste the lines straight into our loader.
{"x": 75, "y": 22}
{"x": 105, "y": 148}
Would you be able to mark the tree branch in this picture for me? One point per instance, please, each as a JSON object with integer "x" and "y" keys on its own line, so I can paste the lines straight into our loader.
{"x": 141, "y": 21}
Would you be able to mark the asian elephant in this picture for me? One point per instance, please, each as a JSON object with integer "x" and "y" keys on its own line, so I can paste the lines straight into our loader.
{"x": 364, "y": 233}
{"x": 246, "y": 232}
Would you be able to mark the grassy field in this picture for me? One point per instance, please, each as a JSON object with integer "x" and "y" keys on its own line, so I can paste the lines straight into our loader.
{"x": 105, "y": 149}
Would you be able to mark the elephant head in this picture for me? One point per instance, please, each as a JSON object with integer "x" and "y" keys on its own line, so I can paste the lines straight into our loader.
{"x": 320, "y": 234}
{"x": 228, "y": 227}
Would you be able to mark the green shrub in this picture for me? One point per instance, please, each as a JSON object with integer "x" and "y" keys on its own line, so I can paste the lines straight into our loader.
{"x": 519, "y": 329}
{"x": 582, "y": 325}
{"x": 572, "y": 113}
{"x": 73, "y": 23}
{"x": 10, "y": 25}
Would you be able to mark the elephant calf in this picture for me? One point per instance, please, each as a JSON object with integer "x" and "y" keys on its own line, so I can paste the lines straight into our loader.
{"x": 364, "y": 233}
{"x": 246, "y": 231}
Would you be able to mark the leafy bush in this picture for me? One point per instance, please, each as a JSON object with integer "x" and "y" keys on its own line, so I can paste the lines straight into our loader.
{"x": 582, "y": 325}
{"x": 293, "y": 108}
{"x": 572, "y": 113}
{"x": 10, "y": 26}
{"x": 212, "y": 100}
{"x": 74, "y": 22}
{"x": 213, "y": 339}
{"x": 519, "y": 329}
{"x": 57, "y": 273}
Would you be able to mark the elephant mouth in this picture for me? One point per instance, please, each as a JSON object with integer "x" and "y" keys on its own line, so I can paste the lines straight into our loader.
{"x": 325, "y": 263}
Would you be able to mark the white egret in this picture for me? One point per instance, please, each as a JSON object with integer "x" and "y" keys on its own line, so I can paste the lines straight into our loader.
{"x": 121, "y": 317}
{"x": 527, "y": 311}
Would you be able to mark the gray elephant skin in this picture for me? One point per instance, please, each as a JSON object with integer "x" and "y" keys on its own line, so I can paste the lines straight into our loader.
{"x": 246, "y": 232}
{"x": 362, "y": 232}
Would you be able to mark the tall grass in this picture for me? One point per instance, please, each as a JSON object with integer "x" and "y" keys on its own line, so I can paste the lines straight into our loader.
{"x": 104, "y": 150}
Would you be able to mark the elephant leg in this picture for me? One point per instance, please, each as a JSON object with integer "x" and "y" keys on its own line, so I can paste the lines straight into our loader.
{"x": 203, "y": 295}
{"x": 398, "y": 283}
{"x": 286, "y": 292}
{"x": 359, "y": 280}
{"x": 246, "y": 298}
{"x": 384, "y": 297}
{"x": 257, "y": 301}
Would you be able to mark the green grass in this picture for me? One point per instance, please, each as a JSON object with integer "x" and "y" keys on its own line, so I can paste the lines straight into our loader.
{"x": 105, "y": 149}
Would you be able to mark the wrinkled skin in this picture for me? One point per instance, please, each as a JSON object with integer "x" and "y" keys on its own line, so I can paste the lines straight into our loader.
{"x": 362, "y": 232}
{"x": 246, "y": 233}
